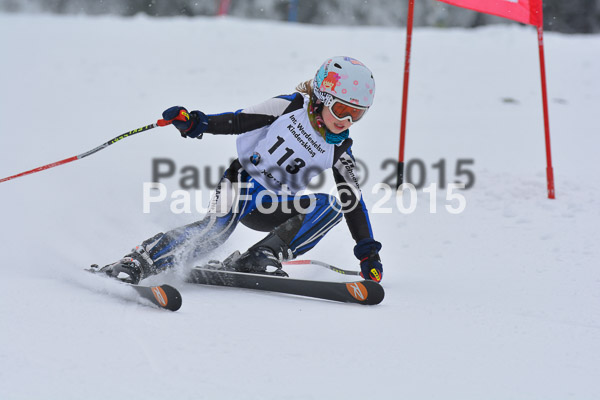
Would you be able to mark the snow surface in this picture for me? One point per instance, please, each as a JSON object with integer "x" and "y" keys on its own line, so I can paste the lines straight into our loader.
{"x": 501, "y": 301}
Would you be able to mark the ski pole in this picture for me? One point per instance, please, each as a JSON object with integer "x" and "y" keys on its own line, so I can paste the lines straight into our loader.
{"x": 160, "y": 122}
{"x": 322, "y": 264}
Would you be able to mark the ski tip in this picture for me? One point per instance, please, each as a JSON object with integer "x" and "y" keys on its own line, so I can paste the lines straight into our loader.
{"x": 167, "y": 297}
{"x": 366, "y": 292}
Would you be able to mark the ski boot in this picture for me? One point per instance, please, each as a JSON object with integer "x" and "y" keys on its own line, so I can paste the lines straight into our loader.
{"x": 264, "y": 257}
{"x": 132, "y": 268}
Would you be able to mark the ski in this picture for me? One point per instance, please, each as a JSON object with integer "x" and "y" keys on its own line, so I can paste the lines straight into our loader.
{"x": 162, "y": 296}
{"x": 361, "y": 292}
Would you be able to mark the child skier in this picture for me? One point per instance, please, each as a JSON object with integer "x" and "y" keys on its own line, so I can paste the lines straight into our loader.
{"x": 282, "y": 144}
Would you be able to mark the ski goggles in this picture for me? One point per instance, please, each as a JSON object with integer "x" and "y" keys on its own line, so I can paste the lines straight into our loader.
{"x": 342, "y": 111}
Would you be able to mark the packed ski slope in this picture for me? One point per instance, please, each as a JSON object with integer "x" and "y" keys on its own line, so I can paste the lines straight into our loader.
{"x": 500, "y": 301}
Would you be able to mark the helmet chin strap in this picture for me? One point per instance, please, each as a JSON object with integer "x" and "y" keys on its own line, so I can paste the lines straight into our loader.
{"x": 315, "y": 108}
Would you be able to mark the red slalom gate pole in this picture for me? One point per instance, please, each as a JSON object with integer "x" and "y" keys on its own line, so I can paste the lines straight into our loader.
{"x": 223, "y": 7}
{"x": 409, "y": 28}
{"x": 549, "y": 169}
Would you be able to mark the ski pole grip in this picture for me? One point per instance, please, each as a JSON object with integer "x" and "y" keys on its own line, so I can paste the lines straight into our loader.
{"x": 182, "y": 116}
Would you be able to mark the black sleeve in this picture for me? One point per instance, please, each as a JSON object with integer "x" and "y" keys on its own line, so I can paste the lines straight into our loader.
{"x": 255, "y": 117}
{"x": 237, "y": 123}
{"x": 353, "y": 206}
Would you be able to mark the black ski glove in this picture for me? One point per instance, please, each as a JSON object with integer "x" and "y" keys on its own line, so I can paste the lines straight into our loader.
{"x": 367, "y": 251}
{"x": 190, "y": 125}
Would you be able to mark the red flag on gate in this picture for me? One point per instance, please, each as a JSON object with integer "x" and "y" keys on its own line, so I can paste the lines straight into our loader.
{"x": 524, "y": 11}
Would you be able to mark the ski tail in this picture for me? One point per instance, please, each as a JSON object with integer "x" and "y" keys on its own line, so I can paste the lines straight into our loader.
{"x": 163, "y": 296}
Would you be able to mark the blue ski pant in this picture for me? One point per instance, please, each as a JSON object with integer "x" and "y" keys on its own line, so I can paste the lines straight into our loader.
{"x": 240, "y": 198}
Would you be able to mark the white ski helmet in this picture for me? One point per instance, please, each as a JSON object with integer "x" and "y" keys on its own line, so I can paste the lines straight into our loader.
{"x": 346, "y": 79}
